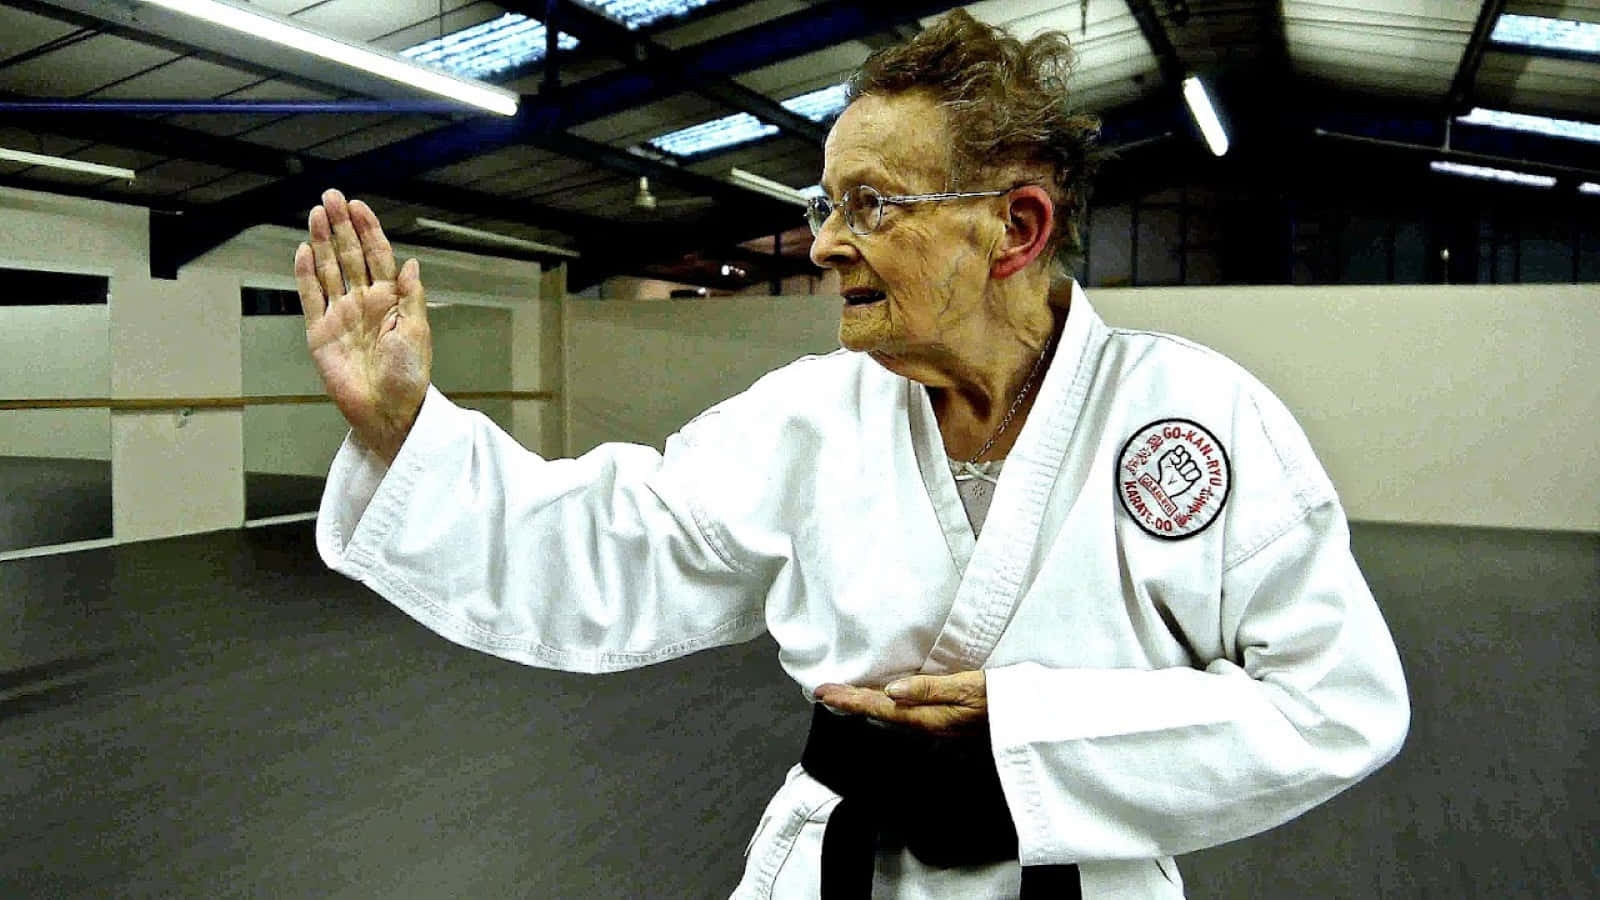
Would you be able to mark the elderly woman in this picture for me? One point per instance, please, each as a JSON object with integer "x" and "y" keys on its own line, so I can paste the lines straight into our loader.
{"x": 1071, "y": 599}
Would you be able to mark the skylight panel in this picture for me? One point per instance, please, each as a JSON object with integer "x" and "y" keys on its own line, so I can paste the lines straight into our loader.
{"x": 742, "y": 128}
{"x": 728, "y": 131}
{"x": 819, "y": 106}
{"x": 639, "y": 13}
{"x": 1562, "y": 128}
{"x": 1562, "y": 35}
{"x": 1507, "y": 176}
{"x": 488, "y": 49}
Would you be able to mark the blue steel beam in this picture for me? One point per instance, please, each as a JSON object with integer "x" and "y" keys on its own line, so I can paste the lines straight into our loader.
{"x": 816, "y": 28}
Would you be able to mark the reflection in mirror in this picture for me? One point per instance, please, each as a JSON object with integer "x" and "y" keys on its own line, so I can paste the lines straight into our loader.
{"x": 290, "y": 443}
{"x": 287, "y": 445}
{"x": 55, "y": 463}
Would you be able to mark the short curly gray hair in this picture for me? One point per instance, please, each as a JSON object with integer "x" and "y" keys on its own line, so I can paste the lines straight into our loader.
{"x": 1006, "y": 105}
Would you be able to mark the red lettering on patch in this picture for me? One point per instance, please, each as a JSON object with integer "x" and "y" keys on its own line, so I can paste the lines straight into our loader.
{"x": 1178, "y": 467}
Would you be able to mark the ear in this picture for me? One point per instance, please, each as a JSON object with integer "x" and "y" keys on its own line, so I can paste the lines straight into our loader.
{"x": 1030, "y": 220}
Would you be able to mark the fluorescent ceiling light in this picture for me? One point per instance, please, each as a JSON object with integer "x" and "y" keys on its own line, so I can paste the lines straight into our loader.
{"x": 61, "y": 162}
{"x": 774, "y": 189}
{"x": 490, "y": 237}
{"x": 1205, "y": 115}
{"x": 1547, "y": 34}
{"x": 742, "y": 128}
{"x": 1506, "y": 175}
{"x": 286, "y": 33}
{"x": 488, "y": 48}
{"x": 1562, "y": 128}
{"x": 1589, "y": 187}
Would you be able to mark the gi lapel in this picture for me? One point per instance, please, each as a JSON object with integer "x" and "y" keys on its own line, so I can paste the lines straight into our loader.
{"x": 997, "y": 573}
{"x": 947, "y": 507}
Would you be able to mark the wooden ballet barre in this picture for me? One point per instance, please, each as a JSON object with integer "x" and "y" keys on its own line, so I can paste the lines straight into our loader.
{"x": 160, "y": 403}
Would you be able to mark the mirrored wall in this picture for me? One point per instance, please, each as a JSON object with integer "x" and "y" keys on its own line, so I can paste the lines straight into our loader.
{"x": 55, "y": 432}
{"x": 291, "y": 431}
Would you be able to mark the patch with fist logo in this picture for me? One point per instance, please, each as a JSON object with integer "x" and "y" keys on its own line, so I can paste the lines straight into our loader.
{"x": 1173, "y": 477}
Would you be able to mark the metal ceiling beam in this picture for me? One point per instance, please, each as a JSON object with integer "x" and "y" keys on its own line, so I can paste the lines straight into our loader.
{"x": 639, "y": 52}
{"x": 151, "y": 136}
{"x": 632, "y": 164}
{"x": 388, "y": 168}
{"x": 1155, "y": 34}
{"x": 1458, "y": 100}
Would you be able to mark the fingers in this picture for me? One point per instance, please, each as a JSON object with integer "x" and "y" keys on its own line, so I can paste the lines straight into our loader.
{"x": 375, "y": 247}
{"x": 858, "y": 701}
{"x": 936, "y": 718}
{"x": 346, "y": 245}
{"x": 327, "y": 264}
{"x": 313, "y": 302}
{"x": 409, "y": 286}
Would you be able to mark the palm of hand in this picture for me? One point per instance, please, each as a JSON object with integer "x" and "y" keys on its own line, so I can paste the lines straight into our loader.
{"x": 366, "y": 350}
{"x": 366, "y": 322}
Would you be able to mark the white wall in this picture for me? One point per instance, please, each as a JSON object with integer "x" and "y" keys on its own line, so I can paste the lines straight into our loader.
{"x": 284, "y": 440}
{"x": 1468, "y": 405}
{"x": 637, "y": 371}
{"x": 55, "y": 351}
{"x": 1427, "y": 404}
{"x": 174, "y": 473}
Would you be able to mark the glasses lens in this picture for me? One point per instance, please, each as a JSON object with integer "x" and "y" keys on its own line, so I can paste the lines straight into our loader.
{"x": 817, "y": 212}
{"x": 863, "y": 209}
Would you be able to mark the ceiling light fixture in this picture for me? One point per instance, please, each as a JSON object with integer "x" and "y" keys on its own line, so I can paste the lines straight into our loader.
{"x": 490, "y": 237}
{"x": 1205, "y": 115}
{"x": 1508, "y": 176}
{"x": 61, "y": 162}
{"x": 774, "y": 189}
{"x": 1589, "y": 187}
{"x": 287, "y": 33}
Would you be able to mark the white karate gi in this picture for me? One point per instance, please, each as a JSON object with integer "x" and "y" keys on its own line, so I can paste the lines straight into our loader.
{"x": 1147, "y": 696}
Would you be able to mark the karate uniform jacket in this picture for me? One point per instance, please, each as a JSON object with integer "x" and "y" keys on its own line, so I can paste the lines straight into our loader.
{"x": 1179, "y": 647}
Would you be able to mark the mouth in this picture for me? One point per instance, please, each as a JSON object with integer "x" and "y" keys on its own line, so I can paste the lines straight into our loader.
{"x": 862, "y": 296}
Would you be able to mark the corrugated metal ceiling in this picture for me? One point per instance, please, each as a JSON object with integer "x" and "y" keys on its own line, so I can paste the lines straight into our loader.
{"x": 1407, "y": 51}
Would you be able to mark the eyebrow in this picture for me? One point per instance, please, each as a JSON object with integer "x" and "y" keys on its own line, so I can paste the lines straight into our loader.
{"x": 870, "y": 176}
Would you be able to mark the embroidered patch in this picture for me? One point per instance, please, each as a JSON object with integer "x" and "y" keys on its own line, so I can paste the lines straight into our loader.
{"x": 1173, "y": 477}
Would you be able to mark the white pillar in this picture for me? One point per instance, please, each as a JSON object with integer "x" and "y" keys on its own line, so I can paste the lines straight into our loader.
{"x": 175, "y": 472}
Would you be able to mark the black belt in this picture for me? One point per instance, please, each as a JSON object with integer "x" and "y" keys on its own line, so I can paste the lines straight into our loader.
{"x": 940, "y": 795}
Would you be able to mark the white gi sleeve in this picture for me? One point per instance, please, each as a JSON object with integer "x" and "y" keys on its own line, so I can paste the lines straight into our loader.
{"x": 1307, "y": 699}
{"x": 593, "y": 564}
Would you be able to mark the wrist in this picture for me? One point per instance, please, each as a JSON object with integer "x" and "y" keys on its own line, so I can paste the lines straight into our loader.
{"x": 387, "y": 436}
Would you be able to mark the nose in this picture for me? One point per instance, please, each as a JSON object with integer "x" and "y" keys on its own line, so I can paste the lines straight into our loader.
{"x": 833, "y": 247}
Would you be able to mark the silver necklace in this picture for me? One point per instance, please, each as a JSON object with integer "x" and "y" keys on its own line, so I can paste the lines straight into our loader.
{"x": 1015, "y": 405}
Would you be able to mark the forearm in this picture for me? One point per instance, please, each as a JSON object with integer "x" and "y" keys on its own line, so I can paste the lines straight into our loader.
{"x": 591, "y": 564}
{"x": 1123, "y": 763}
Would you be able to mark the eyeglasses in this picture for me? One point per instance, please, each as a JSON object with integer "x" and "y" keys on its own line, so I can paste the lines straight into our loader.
{"x": 863, "y": 206}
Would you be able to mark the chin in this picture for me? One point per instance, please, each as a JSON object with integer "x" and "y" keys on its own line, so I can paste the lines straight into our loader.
{"x": 865, "y": 332}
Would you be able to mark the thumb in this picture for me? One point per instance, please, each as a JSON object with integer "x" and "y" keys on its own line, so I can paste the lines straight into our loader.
{"x": 914, "y": 690}
{"x": 409, "y": 284}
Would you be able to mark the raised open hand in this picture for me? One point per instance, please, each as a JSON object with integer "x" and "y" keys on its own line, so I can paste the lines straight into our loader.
{"x": 366, "y": 323}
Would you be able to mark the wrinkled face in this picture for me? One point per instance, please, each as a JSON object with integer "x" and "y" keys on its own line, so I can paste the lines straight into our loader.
{"x": 914, "y": 287}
